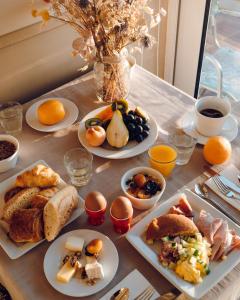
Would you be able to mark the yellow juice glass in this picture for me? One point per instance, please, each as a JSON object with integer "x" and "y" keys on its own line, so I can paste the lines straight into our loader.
{"x": 162, "y": 158}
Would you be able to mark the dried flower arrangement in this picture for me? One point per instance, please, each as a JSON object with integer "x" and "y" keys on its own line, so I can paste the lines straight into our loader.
{"x": 106, "y": 28}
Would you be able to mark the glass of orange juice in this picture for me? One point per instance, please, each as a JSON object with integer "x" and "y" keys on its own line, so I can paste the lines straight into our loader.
{"x": 163, "y": 158}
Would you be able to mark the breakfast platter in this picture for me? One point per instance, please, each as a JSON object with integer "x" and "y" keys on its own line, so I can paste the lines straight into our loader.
{"x": 70, "y": 115}
{"x": 130, "y": 148}
{"x": 78, "y": 286}
{"x": 214, "y": 270}
{"x": 14, "y": 201}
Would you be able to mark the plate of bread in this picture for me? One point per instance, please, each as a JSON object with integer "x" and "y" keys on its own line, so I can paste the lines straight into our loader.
{"x": 189, "y": 242}
{"x": 35, "y": 205}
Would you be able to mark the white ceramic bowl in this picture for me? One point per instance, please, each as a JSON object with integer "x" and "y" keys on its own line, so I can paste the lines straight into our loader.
{"x": 10, "y": 162}
{"x": 143, "y": 203}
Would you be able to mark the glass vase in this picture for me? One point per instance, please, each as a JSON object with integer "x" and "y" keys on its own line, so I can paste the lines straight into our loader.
{"x": 112, "y": 78}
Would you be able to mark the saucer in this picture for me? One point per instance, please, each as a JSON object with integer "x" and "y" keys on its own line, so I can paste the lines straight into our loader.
{"x": 229, "y": 130}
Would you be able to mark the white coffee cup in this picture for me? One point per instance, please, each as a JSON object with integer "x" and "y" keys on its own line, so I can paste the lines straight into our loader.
{"x": 211, "y": 126}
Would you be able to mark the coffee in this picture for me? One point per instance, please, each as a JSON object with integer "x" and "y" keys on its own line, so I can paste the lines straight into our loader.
{"x": 211, "y": 113}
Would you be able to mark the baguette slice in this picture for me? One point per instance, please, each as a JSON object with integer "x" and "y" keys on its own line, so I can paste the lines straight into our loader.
{"x": 58, "y": 210}
{"x": 20, "y": 200}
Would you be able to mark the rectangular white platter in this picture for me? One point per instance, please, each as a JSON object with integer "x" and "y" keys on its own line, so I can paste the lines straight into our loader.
{"x": 218, "y": 269}
{"x": 12, "y": 249}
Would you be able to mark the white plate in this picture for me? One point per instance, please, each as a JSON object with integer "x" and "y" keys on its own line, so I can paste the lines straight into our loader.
{"x": 229, "y": 131}
{"x": 76, "y": 288}
{"x": 131, "y": 149}
{"x": 71, "y": 115}
{"x": 13, "y": 250}
{"x": 218, "y": 269}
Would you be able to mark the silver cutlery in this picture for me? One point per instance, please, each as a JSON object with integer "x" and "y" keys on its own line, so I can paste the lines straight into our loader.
{"x": 238, "y": 178}
{"x": 231, "y": 185}
{"x": 146, "y": 294}
{"x": 224, "y": 189}
{"x": 202, "y": 191}
{"x": 122, "y": 294}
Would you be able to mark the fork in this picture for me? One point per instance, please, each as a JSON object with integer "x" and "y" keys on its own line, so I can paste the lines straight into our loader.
{"x": 146, "y": 294}
{"x": 224, "y": 189}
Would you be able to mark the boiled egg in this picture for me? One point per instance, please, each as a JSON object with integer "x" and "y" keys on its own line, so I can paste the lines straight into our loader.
{"x": 121, "y": 208}
{"x": 95, "y": 201}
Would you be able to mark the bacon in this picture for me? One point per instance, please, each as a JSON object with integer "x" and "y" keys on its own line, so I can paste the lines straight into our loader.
{"x": 175, "y": 210}
{"x": 184, "y": 205}
{"x": 208, "y": 225}
{"x": 222, "y": 241}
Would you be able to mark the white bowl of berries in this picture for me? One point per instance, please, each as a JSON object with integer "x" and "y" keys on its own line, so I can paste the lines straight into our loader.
{"x": 144, "y": 186}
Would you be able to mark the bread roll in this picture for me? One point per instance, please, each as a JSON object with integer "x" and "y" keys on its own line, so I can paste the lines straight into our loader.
{"x": 26, "y": 225}
{"x": 58, "y": 210}
{"x": 20, "y": 200}
{"x": 40, "y": 176}
{"x": 170, "y": 225}
{"x": 41, "y": 199}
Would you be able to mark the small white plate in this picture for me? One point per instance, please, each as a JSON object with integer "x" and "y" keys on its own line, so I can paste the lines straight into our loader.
{"x": 229, "y": 131}
{"x": 218, "y": 269}
{"x": 77, "y": 288}
{"x": 131, "y": 149}
{"x": 12, "y": 249}
{"x": 71, "y": 115}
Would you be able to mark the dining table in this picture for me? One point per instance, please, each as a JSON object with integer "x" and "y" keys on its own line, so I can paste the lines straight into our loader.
{"x": 24, "y": 277}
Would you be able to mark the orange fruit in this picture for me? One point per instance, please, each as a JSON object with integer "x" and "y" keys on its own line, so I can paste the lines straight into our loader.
{"x": 217, "y": 150}
{"x": 51, "y": 112}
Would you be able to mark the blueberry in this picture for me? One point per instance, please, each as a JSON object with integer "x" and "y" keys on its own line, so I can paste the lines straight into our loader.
{"x": 139, "y": 138}
{"x": 132, "y": 185}
{"x": 146, "y": 127}
{"x": 128, "y": 182}
{"x": 131, "y": 127}
{"x": 139, "y": 129}
{"x": 145, "y": 134}
{"x": 131, "y": 112}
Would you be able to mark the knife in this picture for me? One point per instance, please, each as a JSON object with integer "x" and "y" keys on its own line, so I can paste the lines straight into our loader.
{"x": 234, "y": 187}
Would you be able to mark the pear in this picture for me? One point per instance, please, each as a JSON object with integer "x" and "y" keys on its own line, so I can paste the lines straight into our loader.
{"x": 117, "y": 132}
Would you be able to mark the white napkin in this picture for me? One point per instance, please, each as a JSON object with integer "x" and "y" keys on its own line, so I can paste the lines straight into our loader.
{"x": 231, "y": 173}
{"x": 136, "y": 283}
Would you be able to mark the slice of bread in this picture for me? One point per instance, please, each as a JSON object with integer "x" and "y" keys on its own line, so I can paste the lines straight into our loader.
{"x": 20, "y": 200}
{"x": 58, "y": 210}
{"x": 170, "y": 225}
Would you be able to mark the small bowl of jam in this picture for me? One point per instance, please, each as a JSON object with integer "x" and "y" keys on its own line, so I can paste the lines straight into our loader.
{"x": 9, "y": 148}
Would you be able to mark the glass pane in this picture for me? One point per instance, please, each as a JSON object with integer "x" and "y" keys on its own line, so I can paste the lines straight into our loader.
{"x": 221, "y": 62}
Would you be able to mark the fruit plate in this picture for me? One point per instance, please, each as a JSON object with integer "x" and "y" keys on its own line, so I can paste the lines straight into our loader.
{"x": 75, "y": 288}
{"x": 218, "y": 269}
{"x": 12, "y": 249}
{"x": 131, "y": 149}
{"x": 71, "y": 115}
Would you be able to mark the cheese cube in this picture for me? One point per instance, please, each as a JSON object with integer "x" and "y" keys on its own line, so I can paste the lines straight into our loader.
{"x": 94, "y": 271}
{"x": 66, "y": 272}
{"x": 74, "y": 243}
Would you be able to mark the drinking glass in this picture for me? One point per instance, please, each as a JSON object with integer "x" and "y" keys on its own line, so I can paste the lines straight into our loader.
{"x": 78, "y": 163}
{"x": 163, "y": 158}
{"x": 185, "y": 145}
{"x": 11, "y": 117}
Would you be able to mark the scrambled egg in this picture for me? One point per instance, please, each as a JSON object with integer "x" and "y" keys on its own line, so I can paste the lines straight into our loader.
{"x": 187, "y": 271}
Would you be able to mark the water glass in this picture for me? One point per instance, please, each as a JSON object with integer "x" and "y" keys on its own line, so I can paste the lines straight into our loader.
{"x": 11, "y": 116}
{"x": 78, "y": 163}
{"x": 185, "y": 145}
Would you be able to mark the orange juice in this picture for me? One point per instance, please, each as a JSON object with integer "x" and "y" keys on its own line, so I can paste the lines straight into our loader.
{"x": 163, "y": 158}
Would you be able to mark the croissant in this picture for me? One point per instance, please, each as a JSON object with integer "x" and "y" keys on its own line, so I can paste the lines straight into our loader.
{"x": 27, "y": 225}
{"x": 39, "y": 176}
